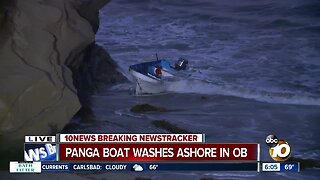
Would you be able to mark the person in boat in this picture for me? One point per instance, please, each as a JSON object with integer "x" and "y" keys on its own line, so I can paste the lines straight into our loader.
{"x": 155, "y": 70}
{"x": 158, "y": 71}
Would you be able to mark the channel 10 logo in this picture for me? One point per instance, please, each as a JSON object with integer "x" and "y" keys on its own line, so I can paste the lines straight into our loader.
{"x": 279, "y": 149}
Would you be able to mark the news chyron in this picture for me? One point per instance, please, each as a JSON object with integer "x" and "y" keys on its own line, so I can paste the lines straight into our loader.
{"x": 40, "y": 148}
{"x": 279, "y": 149}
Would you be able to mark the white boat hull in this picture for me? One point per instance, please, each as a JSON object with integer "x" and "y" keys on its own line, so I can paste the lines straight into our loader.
{"x": 147, "y": 85}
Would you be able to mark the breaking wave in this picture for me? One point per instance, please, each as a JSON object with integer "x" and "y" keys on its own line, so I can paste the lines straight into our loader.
{"x": 203, "y": 87}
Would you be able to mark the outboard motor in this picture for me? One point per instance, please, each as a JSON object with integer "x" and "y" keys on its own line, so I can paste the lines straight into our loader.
{"x": 181, "y": 64}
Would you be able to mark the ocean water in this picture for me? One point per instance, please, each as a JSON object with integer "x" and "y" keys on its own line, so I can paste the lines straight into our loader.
{"x": 255, "y": 71}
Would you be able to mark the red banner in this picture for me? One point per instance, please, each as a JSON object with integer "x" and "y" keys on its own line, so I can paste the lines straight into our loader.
{"x": 158, "y": 152}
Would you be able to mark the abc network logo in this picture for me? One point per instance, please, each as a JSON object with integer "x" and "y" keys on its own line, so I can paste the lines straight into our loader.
{"x": 279, "y": 149}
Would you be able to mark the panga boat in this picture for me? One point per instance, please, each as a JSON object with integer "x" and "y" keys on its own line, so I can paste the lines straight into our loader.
{"x": 151, "y": 77}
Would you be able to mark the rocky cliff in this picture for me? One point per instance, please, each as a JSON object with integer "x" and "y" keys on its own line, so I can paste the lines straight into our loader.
{"x": 44, "y": 47}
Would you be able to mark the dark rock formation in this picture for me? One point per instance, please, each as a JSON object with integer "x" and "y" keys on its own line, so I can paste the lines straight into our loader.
{"x": 92, "y": 69}
{"x": 163, "y": 124}
{"x": 141, "y": 108}
{"x": 45, "y": 51}
{"x": 97, "y": 69}
{"x": 89, "y": 9}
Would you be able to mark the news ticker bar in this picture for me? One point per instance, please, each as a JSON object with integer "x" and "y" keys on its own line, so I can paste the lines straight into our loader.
{"x": 117, "y": 138}
{"x": 155, "y": 152}
{"x": 39, "y": 167}
{"x": 158, "y": 152}
{"x": 142, "y": 148}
